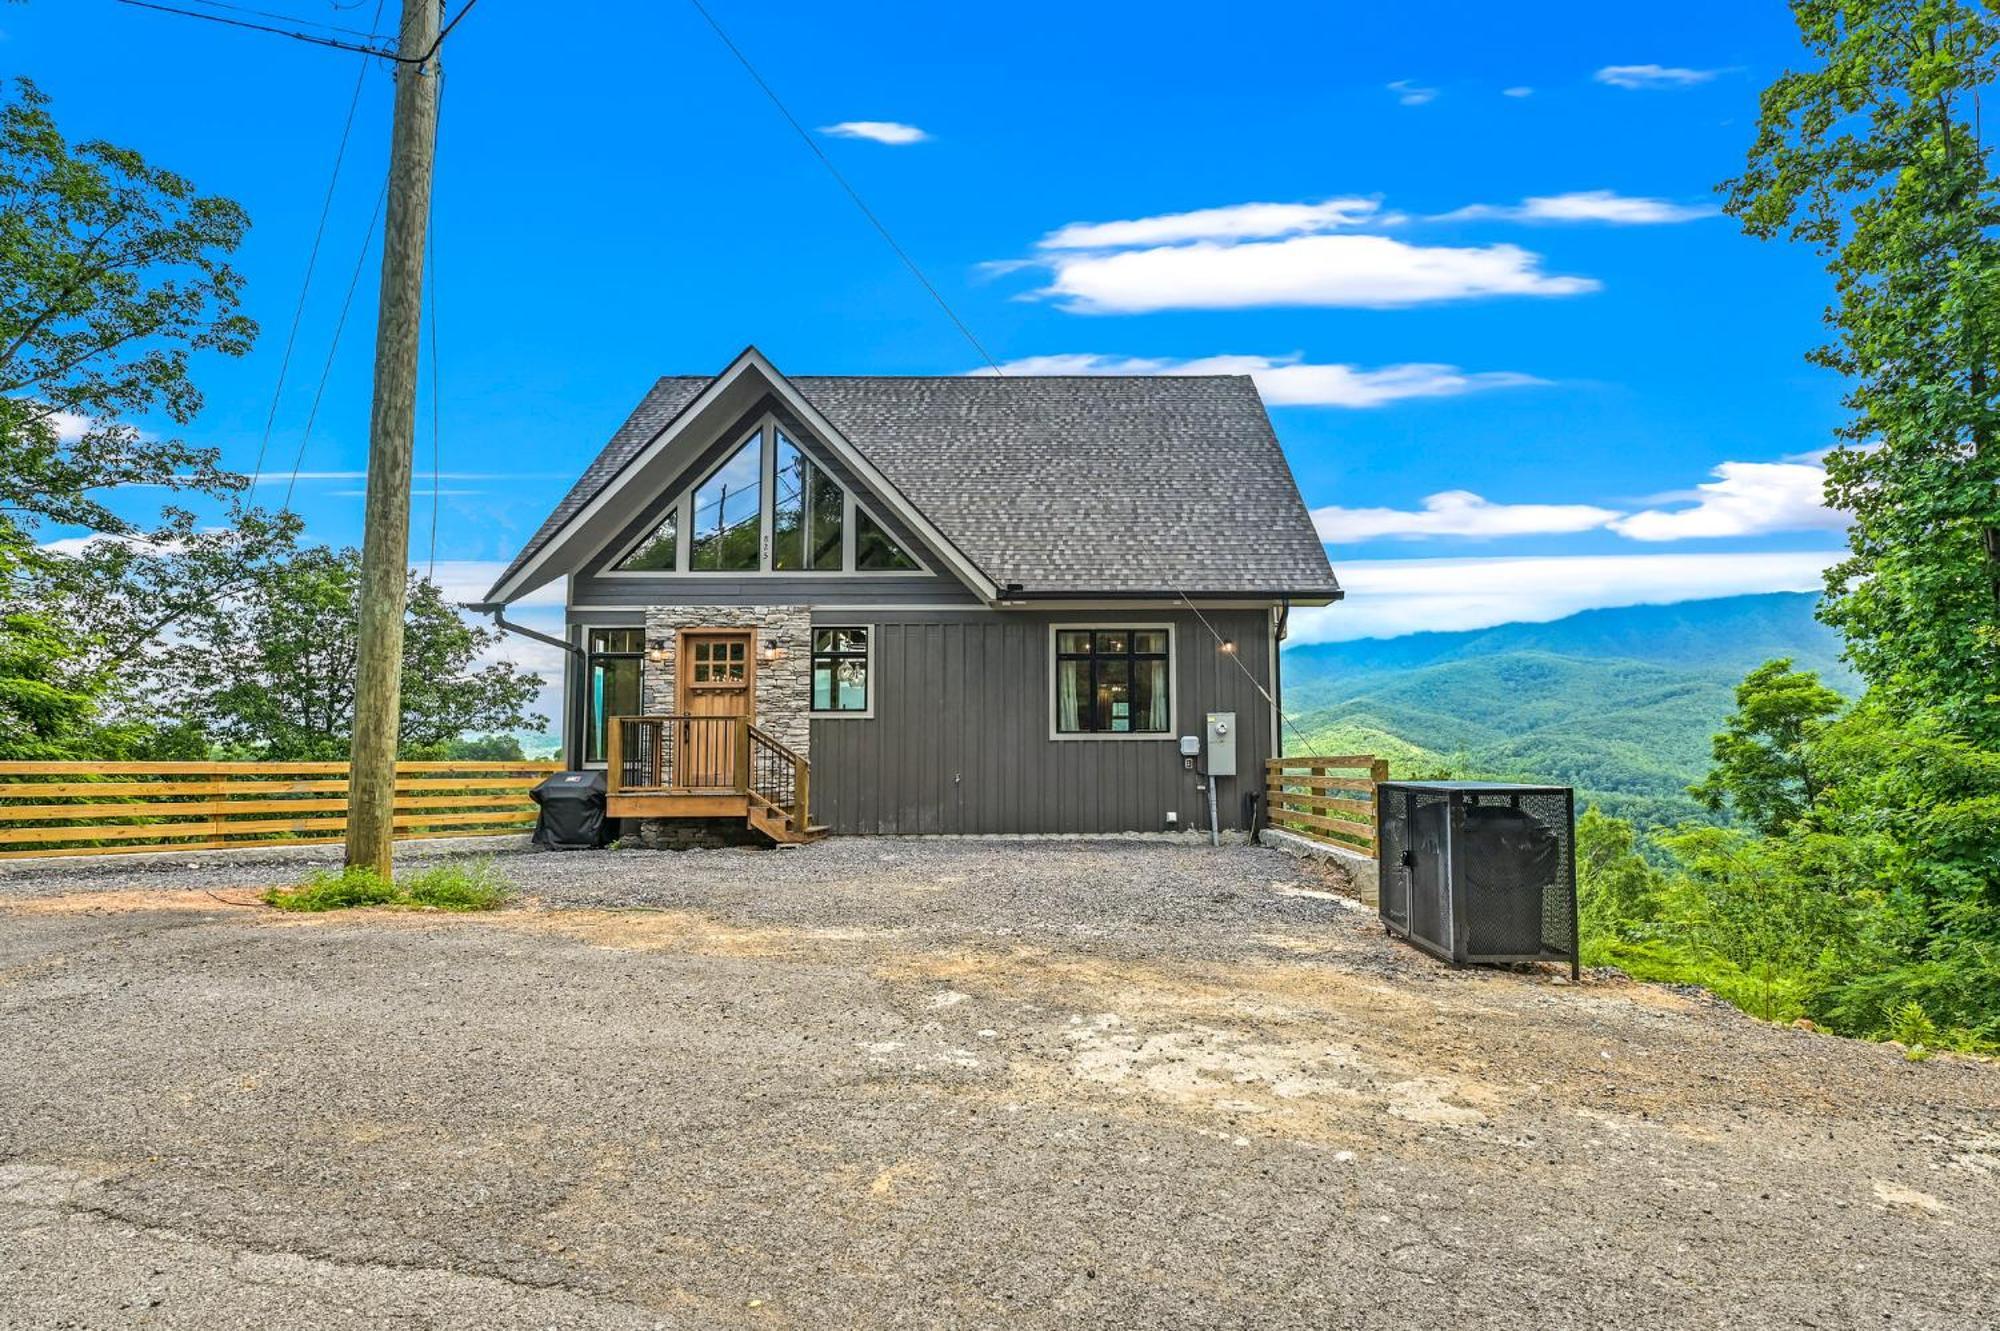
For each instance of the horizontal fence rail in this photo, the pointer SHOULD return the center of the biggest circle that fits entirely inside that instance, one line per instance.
(1329, 799)
(85, 808)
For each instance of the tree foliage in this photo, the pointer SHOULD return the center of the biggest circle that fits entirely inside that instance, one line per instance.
(269, 673)
(1764, 771)
(1874, 158)
(113, 273)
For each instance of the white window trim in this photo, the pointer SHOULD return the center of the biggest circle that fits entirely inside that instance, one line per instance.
(1173, 686)
(865, 714)
(766, 434)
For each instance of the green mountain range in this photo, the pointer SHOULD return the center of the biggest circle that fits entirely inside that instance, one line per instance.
(1618, 703)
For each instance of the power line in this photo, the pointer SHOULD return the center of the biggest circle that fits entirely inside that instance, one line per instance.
(313, 38)
(360, 263)
(312, 262)
(1229, 650)
(373, 33)
(308, 37)
(827, 162)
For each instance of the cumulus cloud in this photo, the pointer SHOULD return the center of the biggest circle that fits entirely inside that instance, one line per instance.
(1288, 381)
(1744, 499)
(1368, 272)
(467, 580)
(1521, 91)
(1241, 221)
(1390, 597)
(892, 132)
(1412, 94)
(1456, 513)
(1591, 205)
(1641, 78)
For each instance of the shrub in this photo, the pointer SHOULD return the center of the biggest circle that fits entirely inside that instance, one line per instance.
(455, 885)
(334, 889)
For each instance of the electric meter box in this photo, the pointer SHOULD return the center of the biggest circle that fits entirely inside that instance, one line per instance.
(1221, 734)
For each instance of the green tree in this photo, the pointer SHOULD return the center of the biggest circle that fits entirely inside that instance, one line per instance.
(1615, 886)
(112, 273)
(270, 672)
(1874, 158)
(1764, 769)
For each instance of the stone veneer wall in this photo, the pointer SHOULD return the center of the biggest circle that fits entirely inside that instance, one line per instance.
(783, 689)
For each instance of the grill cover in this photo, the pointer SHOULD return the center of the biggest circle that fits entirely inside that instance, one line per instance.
(573, 812)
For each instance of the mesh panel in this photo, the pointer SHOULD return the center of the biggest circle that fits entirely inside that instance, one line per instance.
(1480, 874)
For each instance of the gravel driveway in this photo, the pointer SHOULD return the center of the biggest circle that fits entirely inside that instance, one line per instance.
(928, 1084)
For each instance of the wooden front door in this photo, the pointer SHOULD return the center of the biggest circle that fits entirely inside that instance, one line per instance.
(716, 682)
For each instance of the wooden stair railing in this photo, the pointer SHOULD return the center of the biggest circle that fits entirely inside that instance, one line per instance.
(678, 754)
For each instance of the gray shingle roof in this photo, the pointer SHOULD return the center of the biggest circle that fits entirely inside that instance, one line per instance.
(1072, 484)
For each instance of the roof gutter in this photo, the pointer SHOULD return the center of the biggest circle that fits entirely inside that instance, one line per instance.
(1292, 597)
(506, 625)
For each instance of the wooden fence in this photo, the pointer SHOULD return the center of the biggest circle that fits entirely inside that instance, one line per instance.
(1328, 799)
(84, 808)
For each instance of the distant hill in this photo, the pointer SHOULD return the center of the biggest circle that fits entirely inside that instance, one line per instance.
(1619, 703)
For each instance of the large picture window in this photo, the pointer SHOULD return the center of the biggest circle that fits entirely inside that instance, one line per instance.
(1113, 681)
(611, 685)
(840, 671)
(806, 514)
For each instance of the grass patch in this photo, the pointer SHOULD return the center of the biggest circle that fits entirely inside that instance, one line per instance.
(455, 885)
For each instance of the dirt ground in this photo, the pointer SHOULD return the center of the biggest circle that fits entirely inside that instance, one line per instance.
(932, 1084)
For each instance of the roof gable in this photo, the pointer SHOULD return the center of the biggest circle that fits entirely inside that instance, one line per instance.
(1051, 486)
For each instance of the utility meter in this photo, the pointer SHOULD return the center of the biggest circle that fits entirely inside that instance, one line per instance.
(1222, 744)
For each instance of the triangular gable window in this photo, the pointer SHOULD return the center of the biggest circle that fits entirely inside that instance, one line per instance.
(769, 507)
(874, 549)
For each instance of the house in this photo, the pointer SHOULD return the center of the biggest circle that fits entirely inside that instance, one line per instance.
(928, 604)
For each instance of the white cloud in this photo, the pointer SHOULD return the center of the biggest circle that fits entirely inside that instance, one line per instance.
(69, 426)
(1412, 94)
(1372, 272)
(1286, 381)
(1457, 513)
(1521, 91)
(1645, 77)
(1745, 499)
(1242, 221)
(891, 132)
(1390, 597)
(1591, 205)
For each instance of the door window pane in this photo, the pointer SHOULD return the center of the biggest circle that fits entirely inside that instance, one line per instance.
(728, 514)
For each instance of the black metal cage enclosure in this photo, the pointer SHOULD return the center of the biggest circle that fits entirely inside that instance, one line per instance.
(1479, 871)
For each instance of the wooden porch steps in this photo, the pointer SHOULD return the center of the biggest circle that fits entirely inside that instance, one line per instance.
(685, 766)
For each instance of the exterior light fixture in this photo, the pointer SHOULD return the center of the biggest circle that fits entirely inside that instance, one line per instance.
(659, 653)
(770, 654)
(1228, 647)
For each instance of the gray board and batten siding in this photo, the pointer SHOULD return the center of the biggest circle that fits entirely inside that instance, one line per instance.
(959, 741)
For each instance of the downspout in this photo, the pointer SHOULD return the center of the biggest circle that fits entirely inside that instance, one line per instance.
(506, 625)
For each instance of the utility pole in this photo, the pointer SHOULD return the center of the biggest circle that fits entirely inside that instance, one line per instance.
(385, 551)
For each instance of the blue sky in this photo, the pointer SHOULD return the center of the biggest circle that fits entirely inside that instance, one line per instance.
(1494, 271)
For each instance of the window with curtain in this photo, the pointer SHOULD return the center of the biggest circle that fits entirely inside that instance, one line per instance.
(611, 685)
(1113, 682)
(840, 680)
